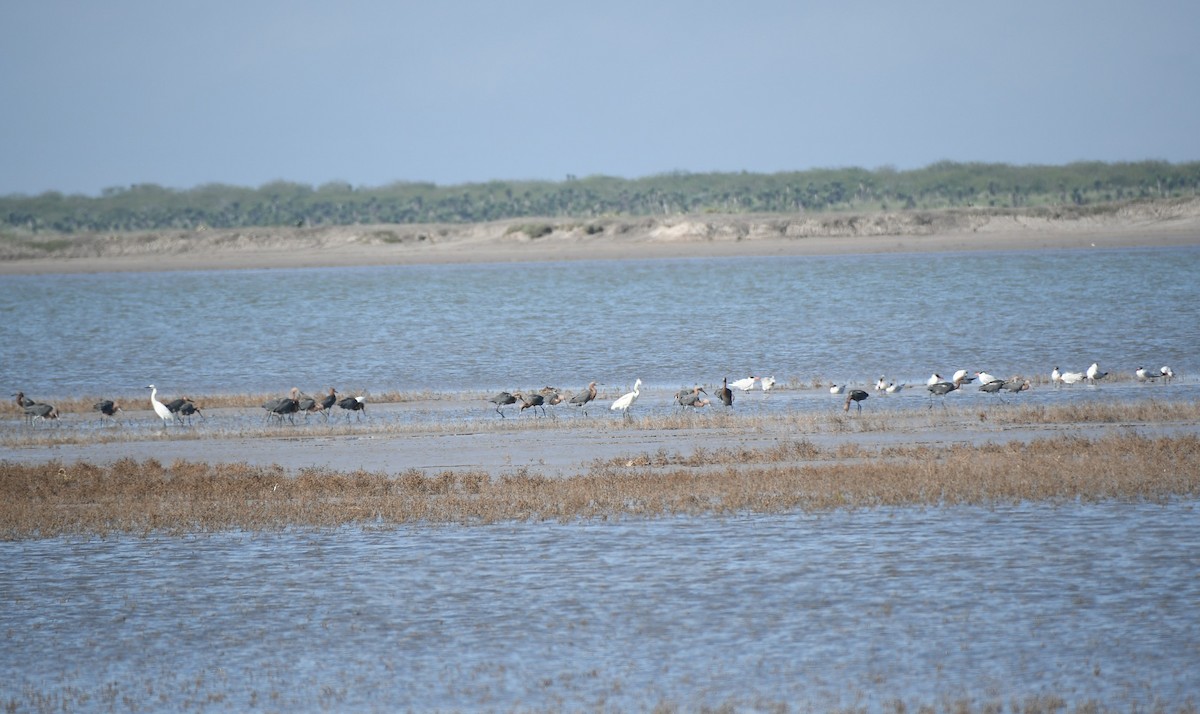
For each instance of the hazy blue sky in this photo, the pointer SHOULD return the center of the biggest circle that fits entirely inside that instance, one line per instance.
(182, 93)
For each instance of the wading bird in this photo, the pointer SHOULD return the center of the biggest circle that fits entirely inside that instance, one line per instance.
(857, 396)
(745, 384)
(187, 409)
(107, 408)
(690, 397)
(502, 399)
(625, 401)
(159, 408)
(1016, 385)
(284, 406)
(37, 410)
(327, 402)
(941, 389)
(534, 401)
(725, 394)
(581, 399)
(23, 401)
(354, 404)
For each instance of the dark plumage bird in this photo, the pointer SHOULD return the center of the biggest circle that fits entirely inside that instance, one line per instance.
(582, 398)
(689, 396)
(1016, 385)
(353, 404)
(534, 401)
(941, 389)
(36, 411)
(107, 408)
(857, 396)
(328, 401)
(992, 387)
(283, 406)
(502, 399)
(187, 409)
(725, 394)
(23, 401)
(552, 396)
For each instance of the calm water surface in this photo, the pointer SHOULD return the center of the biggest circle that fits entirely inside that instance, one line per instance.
(1085, 602)
(669, 322)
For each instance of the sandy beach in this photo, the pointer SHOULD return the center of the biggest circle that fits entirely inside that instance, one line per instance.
(1143, 224)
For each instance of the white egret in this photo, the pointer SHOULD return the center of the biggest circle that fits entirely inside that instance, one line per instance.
(159, 408)
(626, 401)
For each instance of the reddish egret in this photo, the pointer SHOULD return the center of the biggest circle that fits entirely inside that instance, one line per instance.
(534, 401)
(107, 408)
(725, 394)
(582, 398)
(856, 396)
(502, 399)
(354, 404)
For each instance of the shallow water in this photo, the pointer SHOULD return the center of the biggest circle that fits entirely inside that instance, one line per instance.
(669, 322)
(1084, 602)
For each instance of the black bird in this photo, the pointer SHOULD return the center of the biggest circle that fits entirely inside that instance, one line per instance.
(857, 396)
(353, 404)
(502, 399)
(23, 401)
(725, 394)
(107, 408)
(582, 398)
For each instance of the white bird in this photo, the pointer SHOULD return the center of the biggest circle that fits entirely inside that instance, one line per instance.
(837, 389)
(159, 408)
(893, 388)
(1143, 375)
(1167, 373)
(1094, 373)
(1073, 377)
(1056, 377)
(744, 384)
(880, 384)
(767, 383)
(934, 379)
(985, 378)
(626, 401)
(962, 377)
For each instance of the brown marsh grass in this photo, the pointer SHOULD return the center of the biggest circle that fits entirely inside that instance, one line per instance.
(141, 497)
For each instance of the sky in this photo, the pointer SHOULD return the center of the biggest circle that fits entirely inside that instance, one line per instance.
(97, 95)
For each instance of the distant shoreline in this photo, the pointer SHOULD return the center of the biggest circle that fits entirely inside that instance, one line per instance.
(1150, 224)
